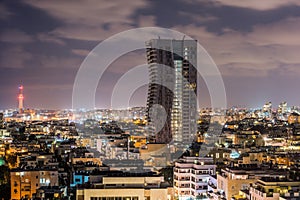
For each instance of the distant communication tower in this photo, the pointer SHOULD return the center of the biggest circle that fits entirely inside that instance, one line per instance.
(21, 99)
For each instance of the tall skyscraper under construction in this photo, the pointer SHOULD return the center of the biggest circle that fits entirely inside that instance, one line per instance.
(173, 86)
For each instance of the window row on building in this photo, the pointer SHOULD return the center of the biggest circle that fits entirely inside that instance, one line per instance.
(114, 198)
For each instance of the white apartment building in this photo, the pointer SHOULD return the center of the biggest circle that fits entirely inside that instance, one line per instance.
(193, 177)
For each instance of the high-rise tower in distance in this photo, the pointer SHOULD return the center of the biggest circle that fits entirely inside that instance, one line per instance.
(21, 99)
(173, 86)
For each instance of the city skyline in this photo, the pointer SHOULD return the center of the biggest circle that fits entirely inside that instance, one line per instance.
(254, 44)
(150, 100)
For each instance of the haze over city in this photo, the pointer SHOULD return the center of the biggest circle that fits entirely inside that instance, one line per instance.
(255, 45)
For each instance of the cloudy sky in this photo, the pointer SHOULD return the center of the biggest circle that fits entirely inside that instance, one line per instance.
(254, 43)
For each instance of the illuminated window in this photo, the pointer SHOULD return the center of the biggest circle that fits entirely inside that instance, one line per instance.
(42, 180)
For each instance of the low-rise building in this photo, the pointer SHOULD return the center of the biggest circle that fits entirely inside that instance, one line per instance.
(233, 179)
(270, 188)
(127, 188)
(25, 182)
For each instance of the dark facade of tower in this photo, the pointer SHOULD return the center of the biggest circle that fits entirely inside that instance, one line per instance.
(173, 86)
(160, 63)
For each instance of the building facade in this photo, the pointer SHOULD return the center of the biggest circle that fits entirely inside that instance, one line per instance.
(230, 181)
(272, 188)
(127, 188)
(173, 87)
(24, 183)
(193, 177)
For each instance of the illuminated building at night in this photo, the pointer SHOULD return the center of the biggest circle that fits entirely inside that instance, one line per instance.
(128, 188)
(282, 108)
(194, 177)
(21, 99)
(233, 179)
(24, 183)
(173, 85)
(275, 188)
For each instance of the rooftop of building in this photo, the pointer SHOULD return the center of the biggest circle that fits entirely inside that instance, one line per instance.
(124, 185)
(277, 179)
(116, 173)
(50, 189)
(195, 160)
(35, 168)
(254, 169)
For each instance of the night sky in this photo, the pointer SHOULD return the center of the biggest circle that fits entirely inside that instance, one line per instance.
(255, 44)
